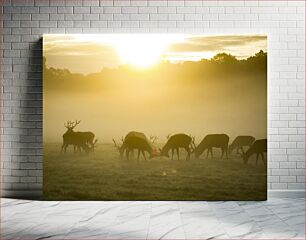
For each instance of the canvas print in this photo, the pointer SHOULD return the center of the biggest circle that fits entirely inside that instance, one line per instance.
(154, 117)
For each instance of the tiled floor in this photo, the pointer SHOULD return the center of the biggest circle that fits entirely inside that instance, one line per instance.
(273, 219)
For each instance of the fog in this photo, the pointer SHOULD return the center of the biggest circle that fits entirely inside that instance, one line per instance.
(157, 102)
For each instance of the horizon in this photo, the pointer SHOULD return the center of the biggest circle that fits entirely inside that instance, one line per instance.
(86, 54)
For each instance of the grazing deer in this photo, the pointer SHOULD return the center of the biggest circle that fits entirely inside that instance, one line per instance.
(79, 140)
(210, 141)
(136, 140)
(259, 147)
(176, 142)
(240, 142)
(88, 138)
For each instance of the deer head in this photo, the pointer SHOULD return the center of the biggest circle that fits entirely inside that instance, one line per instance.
(92, 148)
(120, 148)
(71, 125)
(244, 156)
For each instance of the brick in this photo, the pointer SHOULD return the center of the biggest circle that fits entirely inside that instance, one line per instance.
(98, 24)
(166, 9)
(157, 3)
(91, 16)
(129, 10)
(64, 10)
(82, 24)
(49, 10)
(81, 9)
(111, 10)
(185, 9)
(95, 3)
(147, 9)
(138, 3)
(47, 24)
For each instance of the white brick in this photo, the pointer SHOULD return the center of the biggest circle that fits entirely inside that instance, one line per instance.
(138, 3)
(288, 179)
(130, 24)
(166, 9)
(157, 3)
(111, 9)
(147, 9)
(185, 9)
(129, 9)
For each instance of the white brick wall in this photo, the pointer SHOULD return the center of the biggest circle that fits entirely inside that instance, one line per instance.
(24, 22)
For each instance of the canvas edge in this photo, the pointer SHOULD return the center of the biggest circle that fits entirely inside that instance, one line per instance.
(38, 194)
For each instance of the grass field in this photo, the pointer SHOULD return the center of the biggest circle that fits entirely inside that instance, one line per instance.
(102, 176)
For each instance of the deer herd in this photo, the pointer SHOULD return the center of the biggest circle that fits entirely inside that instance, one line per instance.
(85, 141)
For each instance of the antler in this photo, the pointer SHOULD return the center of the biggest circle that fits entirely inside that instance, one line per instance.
(168, 136)
(116, 145)
(153, 139)
(68, 124)
(73, 124)
(193, 142)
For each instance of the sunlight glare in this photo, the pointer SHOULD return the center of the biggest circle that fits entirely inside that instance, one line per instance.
(142, 50)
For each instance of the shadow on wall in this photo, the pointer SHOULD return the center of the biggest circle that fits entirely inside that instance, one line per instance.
(30, 124)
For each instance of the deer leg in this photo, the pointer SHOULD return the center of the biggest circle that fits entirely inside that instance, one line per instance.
(257, 156)
(222, 152)
(172, 151)
(211, 152)
(63, 147)
(207, 152)
(128, 154)
(263, 158)
(178, 153)
(237, 150)
(188, 153)
(138, 155)
(144, 155)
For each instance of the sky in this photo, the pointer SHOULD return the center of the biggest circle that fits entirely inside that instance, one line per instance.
(90, 53)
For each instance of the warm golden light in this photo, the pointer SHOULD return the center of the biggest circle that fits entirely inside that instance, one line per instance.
(141, 50)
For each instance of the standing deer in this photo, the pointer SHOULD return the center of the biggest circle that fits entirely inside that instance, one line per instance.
(136, 140)
(210, 141)
(259, 147)
(69, 137)
(176, 142)
(240, 142)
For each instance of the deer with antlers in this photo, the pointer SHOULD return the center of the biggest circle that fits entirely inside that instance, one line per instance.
(136, 140)
(175, 142)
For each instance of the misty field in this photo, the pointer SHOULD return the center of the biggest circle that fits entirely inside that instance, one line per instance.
(103, 176)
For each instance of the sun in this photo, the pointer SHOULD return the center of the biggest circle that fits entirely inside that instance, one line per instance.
(140, 51)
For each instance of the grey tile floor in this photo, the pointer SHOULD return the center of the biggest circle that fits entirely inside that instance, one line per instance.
(272, 219)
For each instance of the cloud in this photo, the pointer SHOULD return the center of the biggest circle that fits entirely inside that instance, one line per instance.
(218, 43)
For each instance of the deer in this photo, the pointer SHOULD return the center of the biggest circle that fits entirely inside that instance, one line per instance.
(240, 142)
(79, 140)
(210, 141)
(259, 147)
(175, 142)
(139, 141)
(69, 137)
(88, 138)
